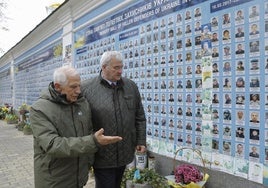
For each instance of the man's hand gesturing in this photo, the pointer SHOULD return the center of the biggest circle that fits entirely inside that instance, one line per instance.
(105, 140)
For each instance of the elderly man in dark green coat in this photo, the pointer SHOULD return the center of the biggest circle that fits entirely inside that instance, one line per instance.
(64, 143)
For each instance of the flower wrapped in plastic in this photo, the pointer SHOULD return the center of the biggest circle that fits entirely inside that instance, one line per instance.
(187, 173)
(187, 176)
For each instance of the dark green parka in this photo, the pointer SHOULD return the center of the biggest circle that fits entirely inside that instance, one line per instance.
(120, 112)
(64, 146)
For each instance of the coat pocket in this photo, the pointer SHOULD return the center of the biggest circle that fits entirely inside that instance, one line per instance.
(130, 102)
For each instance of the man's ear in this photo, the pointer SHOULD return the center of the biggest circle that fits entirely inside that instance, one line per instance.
(103, 66)
(57, 87)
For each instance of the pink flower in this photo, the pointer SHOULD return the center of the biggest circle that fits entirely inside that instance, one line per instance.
(186, 173)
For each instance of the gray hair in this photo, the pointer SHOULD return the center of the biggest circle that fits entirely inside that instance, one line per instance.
(107, 56)
(61, 74)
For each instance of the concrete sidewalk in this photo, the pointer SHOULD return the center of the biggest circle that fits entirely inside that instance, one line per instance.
(16, 159)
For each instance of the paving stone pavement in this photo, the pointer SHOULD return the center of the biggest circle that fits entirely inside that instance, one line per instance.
(16, 159)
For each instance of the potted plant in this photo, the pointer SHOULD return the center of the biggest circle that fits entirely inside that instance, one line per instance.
(21, 125)
(27, 129)
(11, 118)
(146, 178)
(24, 108)
(3, 112)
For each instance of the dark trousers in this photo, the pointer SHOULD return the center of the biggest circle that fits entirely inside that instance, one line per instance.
(108, 177)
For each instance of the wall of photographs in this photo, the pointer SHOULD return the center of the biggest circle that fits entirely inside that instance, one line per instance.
(201, 67)
(34, 73)
(6, 85)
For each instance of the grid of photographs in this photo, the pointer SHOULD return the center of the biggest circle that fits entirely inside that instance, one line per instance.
(31, 78)
(5, 89)
(87, 57)
(203, 79)
(166, 60)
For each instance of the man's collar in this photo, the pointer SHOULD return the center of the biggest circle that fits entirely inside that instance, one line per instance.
(110, 82)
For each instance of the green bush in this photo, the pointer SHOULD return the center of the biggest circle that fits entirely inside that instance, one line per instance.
(146, 176)
(11, 117)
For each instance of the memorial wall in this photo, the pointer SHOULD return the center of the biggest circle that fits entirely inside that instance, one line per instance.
(201, 67)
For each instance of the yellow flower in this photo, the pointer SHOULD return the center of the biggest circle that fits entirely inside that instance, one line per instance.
(5, 109)
(24, 106)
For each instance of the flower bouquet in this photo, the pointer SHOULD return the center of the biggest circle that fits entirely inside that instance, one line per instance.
(187, 175)
(24, 108)
(3, 111)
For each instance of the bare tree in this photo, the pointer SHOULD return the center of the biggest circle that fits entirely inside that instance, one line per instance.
(3, 20)
(3, 17)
